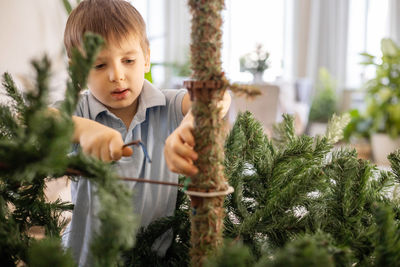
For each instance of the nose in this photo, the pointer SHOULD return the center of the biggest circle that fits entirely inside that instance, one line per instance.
(116, 73)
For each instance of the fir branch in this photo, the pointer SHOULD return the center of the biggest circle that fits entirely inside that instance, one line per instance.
(117, 222)
(258, 171)
(284, 132)
(387, 237)
(394, 159)
(9, 127)
(232, 254)
(12, 91)
(37, 98)
(38, 151)
(178, 253)
(335, 129)
(79, 69)
(309, 250)
(47, 253)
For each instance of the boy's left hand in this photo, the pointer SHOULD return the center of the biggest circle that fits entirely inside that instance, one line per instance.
(178, 151)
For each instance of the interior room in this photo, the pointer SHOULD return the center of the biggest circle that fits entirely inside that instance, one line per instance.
(320, 62)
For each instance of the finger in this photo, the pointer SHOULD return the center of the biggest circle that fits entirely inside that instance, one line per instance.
(194, 156)
(86, 149)
(187, 136)
(127, 152)
(96, 152)
(116, 148)
(105, 154)
(184, 151)
(182, 166)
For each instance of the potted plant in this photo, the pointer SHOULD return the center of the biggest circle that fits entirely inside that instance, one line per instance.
(381, 121)
(324, 103)
(255, 62)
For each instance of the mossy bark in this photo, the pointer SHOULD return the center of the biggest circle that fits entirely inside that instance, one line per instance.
(207, 212)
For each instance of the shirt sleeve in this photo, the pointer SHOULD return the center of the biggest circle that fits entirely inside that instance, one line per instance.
(174, 102)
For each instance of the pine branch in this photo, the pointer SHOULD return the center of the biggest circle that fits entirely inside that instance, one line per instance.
(270, 182)
(48, 252)
(335, 129)
(178, 253)
(284, 132)
(394, 159)
(387, 237)
(36, 148)
(79, 70)
(9, 127)
(309, 250)
(12, 91)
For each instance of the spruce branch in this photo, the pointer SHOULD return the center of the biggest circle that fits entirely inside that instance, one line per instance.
(9, 127)
(12, 91)
(78, 70)
(387, 237)
(394, 159)
(335, 129)
(35, 148)
(284, 132)
(178, 225)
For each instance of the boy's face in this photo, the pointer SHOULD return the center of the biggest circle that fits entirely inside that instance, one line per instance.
(117, 77)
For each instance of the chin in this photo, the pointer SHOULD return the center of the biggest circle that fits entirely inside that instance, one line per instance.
(122, 105)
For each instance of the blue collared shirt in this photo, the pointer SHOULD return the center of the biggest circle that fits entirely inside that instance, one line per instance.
(157, 116)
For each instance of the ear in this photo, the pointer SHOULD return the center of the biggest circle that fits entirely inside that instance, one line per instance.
(147, 61)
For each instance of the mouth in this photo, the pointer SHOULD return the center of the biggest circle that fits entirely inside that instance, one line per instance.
(119, 93)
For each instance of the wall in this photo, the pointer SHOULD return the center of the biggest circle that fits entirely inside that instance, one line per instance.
(29, 29)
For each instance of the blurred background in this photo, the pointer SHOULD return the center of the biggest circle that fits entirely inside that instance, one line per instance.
(310, 58)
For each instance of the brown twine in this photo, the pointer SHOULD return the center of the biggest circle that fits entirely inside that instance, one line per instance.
(205, 90)
(74, 172)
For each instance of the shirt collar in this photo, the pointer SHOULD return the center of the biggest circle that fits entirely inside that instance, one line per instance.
(149, 97)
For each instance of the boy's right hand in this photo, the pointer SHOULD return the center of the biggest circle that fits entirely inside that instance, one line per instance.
(99, 141)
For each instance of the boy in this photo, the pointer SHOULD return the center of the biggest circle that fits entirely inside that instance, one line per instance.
(119, 107)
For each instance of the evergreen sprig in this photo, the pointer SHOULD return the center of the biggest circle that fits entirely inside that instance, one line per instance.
(34, 146)
(272, 182)
(178, 226)
(387, 237)
(302, 192)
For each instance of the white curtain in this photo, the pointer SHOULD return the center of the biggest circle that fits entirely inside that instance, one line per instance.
(394, 20)
(177, 47)
(327, 39)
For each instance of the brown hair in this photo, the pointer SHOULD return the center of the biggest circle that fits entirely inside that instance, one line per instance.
(112, 19)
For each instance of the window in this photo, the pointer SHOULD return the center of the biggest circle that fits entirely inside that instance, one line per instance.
(368, 24)
(153, 13)
(248, 23)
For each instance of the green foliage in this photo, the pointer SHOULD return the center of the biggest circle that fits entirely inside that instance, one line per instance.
(325, 101)
(383, 94)
(148, 75)
(297, 203)
(178, 253)
(34, 146)
(308, 250)
(272, 180)
(232, 254)
(387, 237)
(359, 126)
(68, 5)
(48, 253)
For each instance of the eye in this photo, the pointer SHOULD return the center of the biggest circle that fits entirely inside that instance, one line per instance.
(129, 61)
(99, 66)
